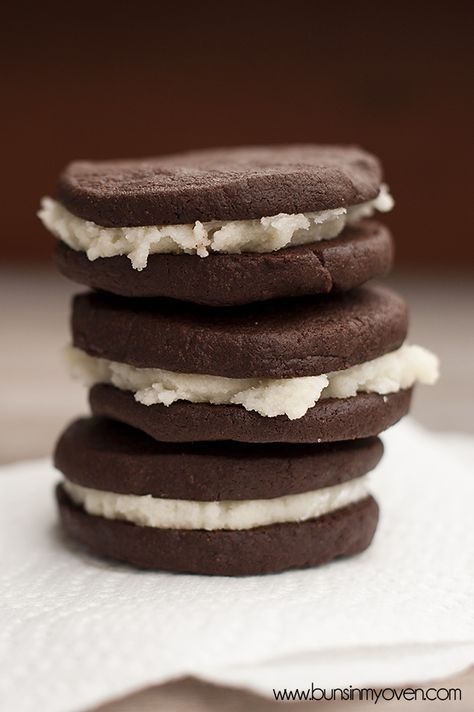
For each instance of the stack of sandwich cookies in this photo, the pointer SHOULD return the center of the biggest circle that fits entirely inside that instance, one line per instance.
(232, 430)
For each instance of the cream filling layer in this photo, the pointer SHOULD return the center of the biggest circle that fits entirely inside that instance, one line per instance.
(149, 511)
(264, 235)
(269, 397)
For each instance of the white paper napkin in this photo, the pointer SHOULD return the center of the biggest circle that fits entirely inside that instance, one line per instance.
(75, 631)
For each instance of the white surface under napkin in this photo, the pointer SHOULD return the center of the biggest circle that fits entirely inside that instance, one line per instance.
(75, 631)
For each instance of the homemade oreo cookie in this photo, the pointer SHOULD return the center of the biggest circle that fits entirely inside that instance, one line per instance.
(214, 503)
(311, 370)
(223, 227)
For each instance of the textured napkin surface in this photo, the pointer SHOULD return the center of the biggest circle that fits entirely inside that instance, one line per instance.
(75, 631)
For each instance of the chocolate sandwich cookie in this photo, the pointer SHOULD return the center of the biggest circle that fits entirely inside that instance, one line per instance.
(278, 339)
(106, 455)
(360, 253)
(214, 508)
(335, 368)
(226, 552)
(223, 227)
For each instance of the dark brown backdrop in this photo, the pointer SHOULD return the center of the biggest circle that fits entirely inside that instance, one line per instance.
(126, 79)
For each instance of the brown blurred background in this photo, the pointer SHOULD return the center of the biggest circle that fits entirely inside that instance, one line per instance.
(128, 79)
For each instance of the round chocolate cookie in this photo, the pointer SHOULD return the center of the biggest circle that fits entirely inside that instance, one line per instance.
(357, 255)
(329, 420)
(107, 455)
(278, 339)
(219, 184)
(261, 550)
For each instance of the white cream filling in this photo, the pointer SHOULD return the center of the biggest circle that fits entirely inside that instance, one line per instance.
(264, 235)
(269, 397)
(149, 511)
